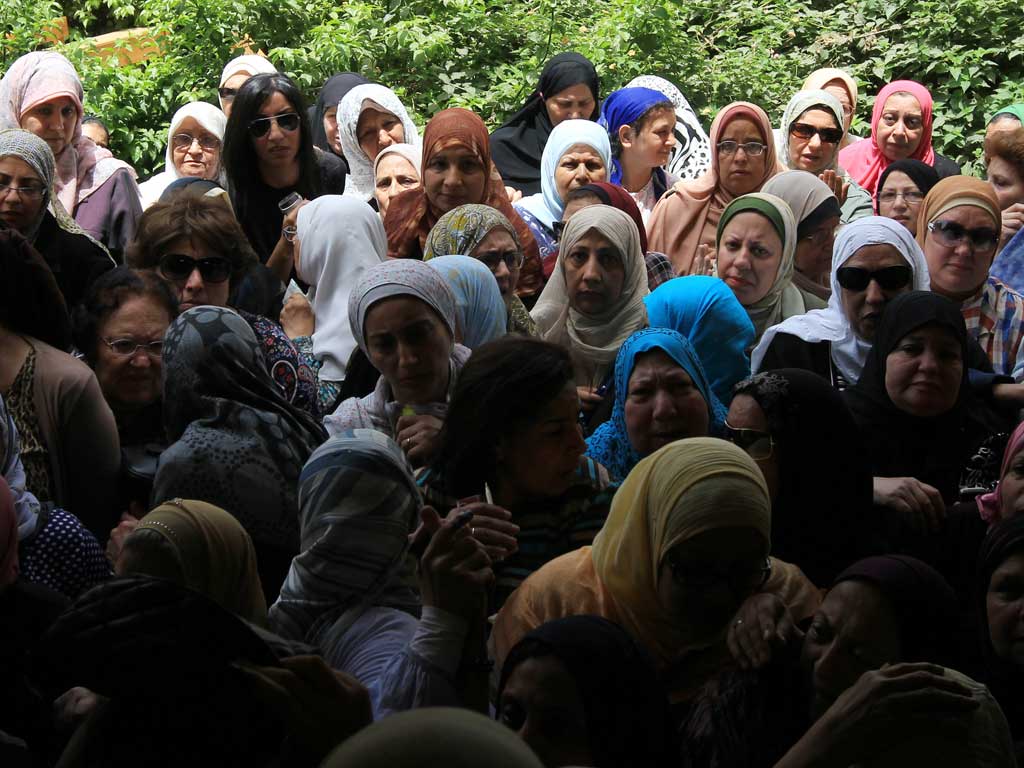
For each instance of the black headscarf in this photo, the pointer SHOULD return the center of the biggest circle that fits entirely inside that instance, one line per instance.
(517, 146)
(922, 174)
(933, 450)
(330, 96)
(824, 493)
(627, 709)
(30, 299)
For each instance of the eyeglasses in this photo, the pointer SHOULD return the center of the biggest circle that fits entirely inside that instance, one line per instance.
(910, 196)
(31, 192)
(261, 126)
(821, 237)
(491, 259)
(207, 141)
(751, 148)
(178, 267)
(128, 347)
(741, 579)
(758, 445)
(227, 94)
(951, 234)
(888, 278)
(808, 131)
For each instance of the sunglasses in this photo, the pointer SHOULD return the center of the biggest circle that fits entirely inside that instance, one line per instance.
(807, 131)
(227, 94)
(261, 126)
(757, 444)
(178, 267)
(951, 234)
(888, 278)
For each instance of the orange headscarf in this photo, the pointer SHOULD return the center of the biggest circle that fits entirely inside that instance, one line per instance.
(412, 215)
(953, 192)
(688, 214)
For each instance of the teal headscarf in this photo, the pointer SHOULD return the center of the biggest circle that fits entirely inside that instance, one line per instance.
(1017, 110)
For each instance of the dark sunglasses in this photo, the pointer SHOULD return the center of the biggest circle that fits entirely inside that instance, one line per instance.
(741, 580)
(758, 445)
(261, 126)
(888, 278)
(951, 234)
(177, 267)
(807, 131)
(227, 94)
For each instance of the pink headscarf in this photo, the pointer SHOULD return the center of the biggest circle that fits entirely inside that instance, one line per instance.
(42, 76)
(8, 536)
(864, 161)
(990, 504)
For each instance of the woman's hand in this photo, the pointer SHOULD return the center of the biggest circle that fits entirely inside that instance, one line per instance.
(920, 504)
(455, 569)
(297, 318)
(492, 526)
(513, 194)
(73, 707)
(282, 259)
(1013, 219)
(761, 628)
(419, 437)
(124, 529)
(589, 399)
(704, 262)
(835, 182)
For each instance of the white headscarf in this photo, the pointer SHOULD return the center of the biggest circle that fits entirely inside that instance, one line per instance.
(250, 64)
(547, 206)
(339, 239)
(210, 118)
(801, 102)
(411, 153)
(849, 351)
(360, 181)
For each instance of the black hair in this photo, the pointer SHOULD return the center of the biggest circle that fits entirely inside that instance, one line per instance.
(638, 125)
(581, 193)
(107, 294)
(500, 389)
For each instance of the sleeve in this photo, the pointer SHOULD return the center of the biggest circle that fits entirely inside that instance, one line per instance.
(858, 204)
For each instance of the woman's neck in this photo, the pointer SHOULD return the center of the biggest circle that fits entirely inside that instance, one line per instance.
(280, 176)
(635, 175)
(958, 297)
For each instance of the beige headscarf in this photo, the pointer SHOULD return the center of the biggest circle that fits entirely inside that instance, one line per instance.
(819, 78)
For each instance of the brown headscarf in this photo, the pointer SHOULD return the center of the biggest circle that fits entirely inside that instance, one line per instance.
(954, 191)
(412, 215)
(688, 213)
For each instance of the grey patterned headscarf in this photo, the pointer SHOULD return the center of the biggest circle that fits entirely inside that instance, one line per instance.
(26, 505)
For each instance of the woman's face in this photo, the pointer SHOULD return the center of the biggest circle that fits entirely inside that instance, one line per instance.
(594, 274)
(747, 414)
(662, 404)
(864, 308)
(1011, 487)
(195, 151)
(410, 346)
(376, 130)
(578, 204)
(331, 129)
(703, 580)
(749, 255)
(837, 89)
(854, 631)
(901, 126)
(231, 86)
(195, 290)
(900, 199)
(277, 147)
(20, 210)
(1004, 604)
(813, 256)
(394, 175)
(958, 268)
(739, 172)
(924, 371)
(453, 177)
(576, 102)
(813, 154)
(131, 381)
(498, 250)
(1006, 182)
(97, 133)
(580, 165)
(53, 121)
(652, 145)
(542, 703)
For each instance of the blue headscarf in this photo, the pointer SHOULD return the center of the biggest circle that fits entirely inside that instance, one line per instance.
(707, 313)
(610, 445)
(479, 308)
(623, 107)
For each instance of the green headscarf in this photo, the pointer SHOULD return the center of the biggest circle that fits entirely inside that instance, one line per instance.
(1017, 110)
(767, 208)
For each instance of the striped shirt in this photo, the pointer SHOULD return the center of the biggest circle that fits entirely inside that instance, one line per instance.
(995, 319)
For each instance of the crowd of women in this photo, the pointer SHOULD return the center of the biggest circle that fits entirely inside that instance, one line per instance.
(593, 440)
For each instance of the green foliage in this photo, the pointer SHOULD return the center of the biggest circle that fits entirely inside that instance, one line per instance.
(486, 54)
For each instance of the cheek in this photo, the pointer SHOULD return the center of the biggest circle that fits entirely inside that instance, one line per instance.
(475, 184)
(637, 418)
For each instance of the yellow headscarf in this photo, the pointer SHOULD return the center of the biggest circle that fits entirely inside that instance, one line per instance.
(676, 493)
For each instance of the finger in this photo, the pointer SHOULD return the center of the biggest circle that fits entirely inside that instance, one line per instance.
(481, 509)
(494, 539)
(430, 520)
(903, 668)
(505, 527)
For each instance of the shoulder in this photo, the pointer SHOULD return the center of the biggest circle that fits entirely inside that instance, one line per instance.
(52, 362)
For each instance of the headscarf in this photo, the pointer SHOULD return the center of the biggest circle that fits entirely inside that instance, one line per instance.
(210, 118)
(31, 303)
(352, 105)
(922, 174)
(990, 505)
(849, 351)
(42, 76)
(479, 307)
(810, 199)
(688, 214)
(708, 314)
(932, 449)
(820, 78)
(547, 206)
(617, 197)
(691, 156)
(330, 95)
(237, 442)
(801, 102)
(8, 536)
(408, 151)
(339, 239)
(825, 483)
(679, 491)
(596, 339)
(404, 277)
(1017, 110)
(26, 505)
(517, 146)
(250, 64)
(462, 229)
(610, 445)
(623, 107)
(357, 506)
(454, 738)
(864, 160)
(779, 302)
(953, 192)
(627, 713)
(216, 554)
